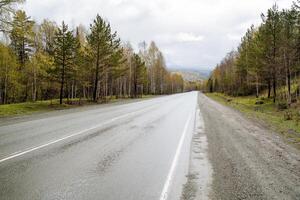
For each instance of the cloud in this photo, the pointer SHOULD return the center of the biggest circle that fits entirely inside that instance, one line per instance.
(189, 37)
(234, 37)
(176, 38)
(191, 33)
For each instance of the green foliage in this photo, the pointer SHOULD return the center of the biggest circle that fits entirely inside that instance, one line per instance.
(22, 36)
(266, 60)
(64, 48)
(47, 31)
(64, 55)
(44, 62)
(103, 44)
(282, 105)
(9, 86)
(139, 75)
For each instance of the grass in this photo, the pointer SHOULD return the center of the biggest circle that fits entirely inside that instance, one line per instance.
(18, 109)
(267, 113)
(10, 110)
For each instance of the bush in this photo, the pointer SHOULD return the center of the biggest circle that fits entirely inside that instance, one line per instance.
(288, 115)
(282, 106)
(259, 102)
(294, 100)
(297, 117)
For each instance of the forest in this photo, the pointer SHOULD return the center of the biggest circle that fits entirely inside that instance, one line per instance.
(51, 61)
(267, 61)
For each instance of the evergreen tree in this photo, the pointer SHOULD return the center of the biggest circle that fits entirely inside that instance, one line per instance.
(22, 41)
(22, 36)
(64, 48)
(273, 25)
(267, 58)
(101, 43)
(139, 72)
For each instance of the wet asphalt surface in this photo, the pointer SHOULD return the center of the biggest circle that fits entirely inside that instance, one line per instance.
(108, 152)
(127, 152)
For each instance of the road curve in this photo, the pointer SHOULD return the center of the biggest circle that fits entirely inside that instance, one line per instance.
(138, 150)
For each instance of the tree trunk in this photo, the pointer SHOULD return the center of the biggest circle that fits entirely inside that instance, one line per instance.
(68, 91)
(97, 74)
(289, 85)
(106, 85)
(34, 85)
(288, 77)
(62, 82)
(269, 88)
(83, 92)
(72, 90)
(274, 88)
(257, 88)
(75, 91)
(5, 85)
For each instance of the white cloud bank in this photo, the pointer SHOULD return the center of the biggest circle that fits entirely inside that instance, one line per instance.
(191, 33)
(189, 37)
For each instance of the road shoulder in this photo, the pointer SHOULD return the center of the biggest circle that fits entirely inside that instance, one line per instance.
(266, 114)
(249, 161)
(199, 178)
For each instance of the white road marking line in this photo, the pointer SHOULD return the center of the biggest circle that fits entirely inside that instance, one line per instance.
(164, 194)
(20, 153)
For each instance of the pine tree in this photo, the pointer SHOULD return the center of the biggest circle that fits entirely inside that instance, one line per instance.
(22, 36)
(273, 25)
(22, 41)
(288, 50)
(64, 48)
(101, 43)
(139, 75)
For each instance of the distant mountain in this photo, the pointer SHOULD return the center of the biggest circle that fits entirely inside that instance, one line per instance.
(205, 73)
(192, 75)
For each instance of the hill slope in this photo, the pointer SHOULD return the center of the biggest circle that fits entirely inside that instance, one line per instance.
(192, 75)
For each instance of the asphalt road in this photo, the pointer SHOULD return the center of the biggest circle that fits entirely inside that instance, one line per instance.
(183, 146)
(138, 150)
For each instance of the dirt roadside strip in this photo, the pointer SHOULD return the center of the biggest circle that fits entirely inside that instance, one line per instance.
(248, 161)
(199, 178)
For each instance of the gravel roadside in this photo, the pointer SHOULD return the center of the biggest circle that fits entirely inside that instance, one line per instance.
(248, 161)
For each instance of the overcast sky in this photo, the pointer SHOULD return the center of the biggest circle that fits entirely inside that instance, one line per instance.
(191, 33)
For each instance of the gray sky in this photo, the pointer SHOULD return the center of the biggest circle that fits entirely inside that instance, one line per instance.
(191, 33)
